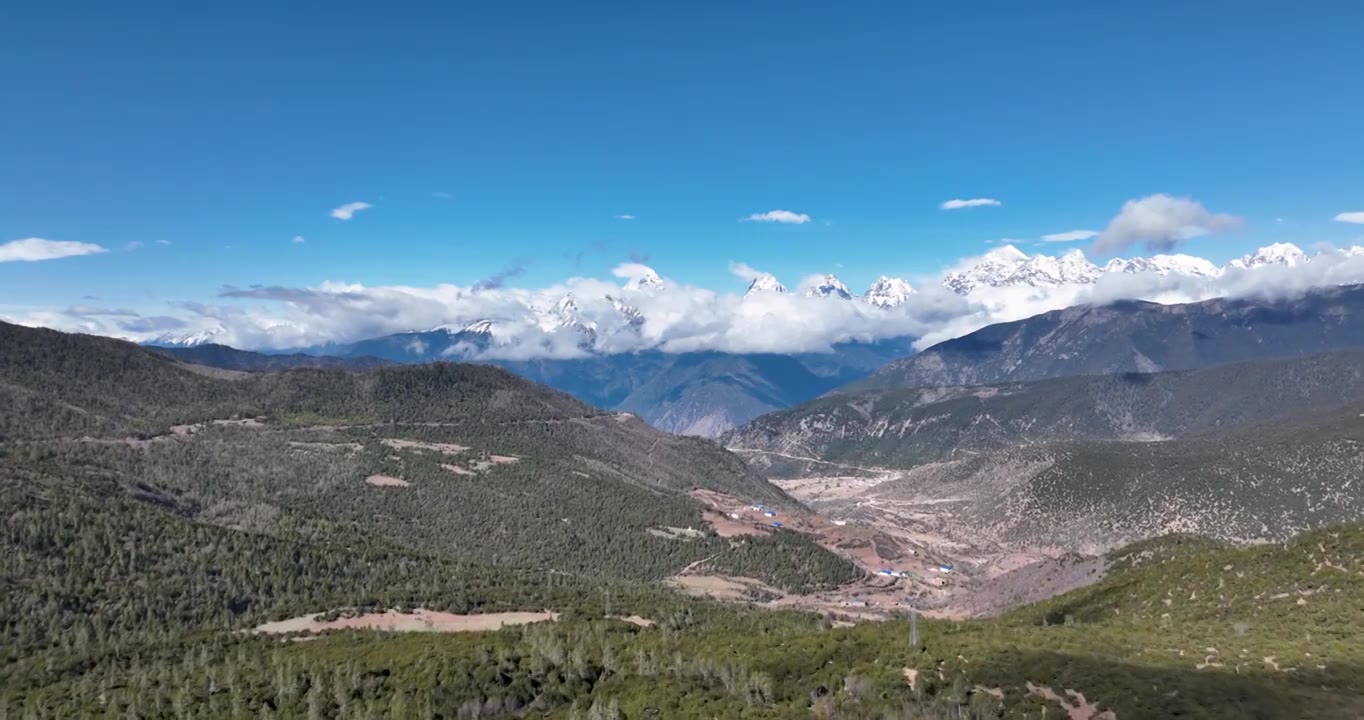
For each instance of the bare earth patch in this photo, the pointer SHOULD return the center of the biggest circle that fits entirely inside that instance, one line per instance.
(503, 459)
(1075, 704)
(719, 587)
(420, 620)
(444, 448)
(726, 526)
(635, 620)
(386, 481)
(457, 469)
(191, 429)
(349, 446)
(675, 533)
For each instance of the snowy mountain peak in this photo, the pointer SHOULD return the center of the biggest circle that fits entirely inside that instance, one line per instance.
(1006, 254)
(648, 280)
(887, 292)
(479, 327)
(1286, 254)
(1010, 267)
(185, 340)
(566, 313)
(765, 283)
(989, 270)
(1165, 265)
(829, 286)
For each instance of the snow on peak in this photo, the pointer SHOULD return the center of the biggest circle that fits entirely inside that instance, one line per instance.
(829, 286)
(1009, 267)
(1006, 254)
(1165, 265)
(566, 313)
(1286, 254)
(887, 292)
(647, 280)
(765, 283)
(186, 340)
(480, 327)
(990, 270)
(631, 314)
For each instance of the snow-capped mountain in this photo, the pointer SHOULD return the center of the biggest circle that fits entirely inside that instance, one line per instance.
(763, 284)
(991, 270)
(186, 339)
(1277, 254)
(829, 286)
(649, 280)
(632, 316)
(566, 313)
(1070, 268)
(479, 327)
(1008, 266)
(887, 292)
(1165, 265)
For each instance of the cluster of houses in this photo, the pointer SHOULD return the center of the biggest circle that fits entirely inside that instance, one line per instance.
(887, 572)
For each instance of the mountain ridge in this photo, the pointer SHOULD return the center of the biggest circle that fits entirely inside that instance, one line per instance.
(1134, 336)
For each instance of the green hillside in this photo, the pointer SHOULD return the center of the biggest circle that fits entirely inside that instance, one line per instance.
(462, 460)
(119, 609)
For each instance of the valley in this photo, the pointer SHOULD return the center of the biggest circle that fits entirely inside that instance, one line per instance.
(343, 527)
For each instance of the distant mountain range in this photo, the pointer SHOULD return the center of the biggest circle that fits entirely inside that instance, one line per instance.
(702, 393)
(1132, 336)
(1007, 266)
(739, 387)
(228, 358)
(903, 428)
(1094, 426)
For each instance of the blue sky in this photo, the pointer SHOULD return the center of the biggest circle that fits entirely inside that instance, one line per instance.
(485, 133)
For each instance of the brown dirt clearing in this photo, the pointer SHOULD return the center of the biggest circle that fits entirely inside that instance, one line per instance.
(443, 448)
(386, 481)
(419, 620)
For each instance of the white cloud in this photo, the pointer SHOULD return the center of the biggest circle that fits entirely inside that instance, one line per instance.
(1162, 222)
(677, 319)
(1351, 217)
(134, 245)
(623, 217)
(34, 249)
(298, 239)
(959, 204)
(785, 217)
(347, 211)
(745, 272)
(163, 243)
(1070, 236)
